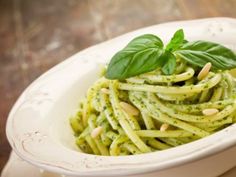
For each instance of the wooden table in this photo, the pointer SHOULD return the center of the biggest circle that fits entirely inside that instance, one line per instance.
(36, 35)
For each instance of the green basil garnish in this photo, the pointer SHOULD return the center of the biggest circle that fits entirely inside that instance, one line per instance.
(147, 53)
(170, 63)
(201, 52)
(176, 41)
(141, 55)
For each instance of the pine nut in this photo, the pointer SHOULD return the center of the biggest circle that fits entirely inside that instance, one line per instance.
(209, 112)
(105, 90)
(205, 70)
(164, 127)
(96, 132)
(129, 109)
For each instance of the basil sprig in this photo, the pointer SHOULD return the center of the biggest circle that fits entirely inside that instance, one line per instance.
(147, 53)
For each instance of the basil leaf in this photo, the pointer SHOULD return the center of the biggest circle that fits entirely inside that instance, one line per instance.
(127, 63)
(141, 55)
(201, 52)
(146, 40)
(176, 41)
(169, 66)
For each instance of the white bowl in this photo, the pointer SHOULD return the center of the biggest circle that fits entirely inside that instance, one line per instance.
(39, 132)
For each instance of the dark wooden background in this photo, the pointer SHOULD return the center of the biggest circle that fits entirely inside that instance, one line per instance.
(37, 34)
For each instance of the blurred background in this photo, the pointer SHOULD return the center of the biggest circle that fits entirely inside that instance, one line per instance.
(35, 35)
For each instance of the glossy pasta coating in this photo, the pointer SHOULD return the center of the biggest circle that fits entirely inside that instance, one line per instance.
(153, 112)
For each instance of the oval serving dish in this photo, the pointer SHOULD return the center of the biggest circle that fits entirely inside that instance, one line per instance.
(38, 125)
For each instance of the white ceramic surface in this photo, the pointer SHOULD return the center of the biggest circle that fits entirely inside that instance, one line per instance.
(39, 132)
(16, 167)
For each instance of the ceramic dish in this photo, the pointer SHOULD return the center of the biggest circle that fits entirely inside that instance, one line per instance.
(20, 168)
(39, 132)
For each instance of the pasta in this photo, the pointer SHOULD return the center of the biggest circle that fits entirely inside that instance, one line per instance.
(153, 112)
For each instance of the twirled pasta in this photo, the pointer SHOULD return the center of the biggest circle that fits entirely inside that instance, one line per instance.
(130, 114)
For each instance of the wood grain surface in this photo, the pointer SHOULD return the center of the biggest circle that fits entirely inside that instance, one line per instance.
(37, 34)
